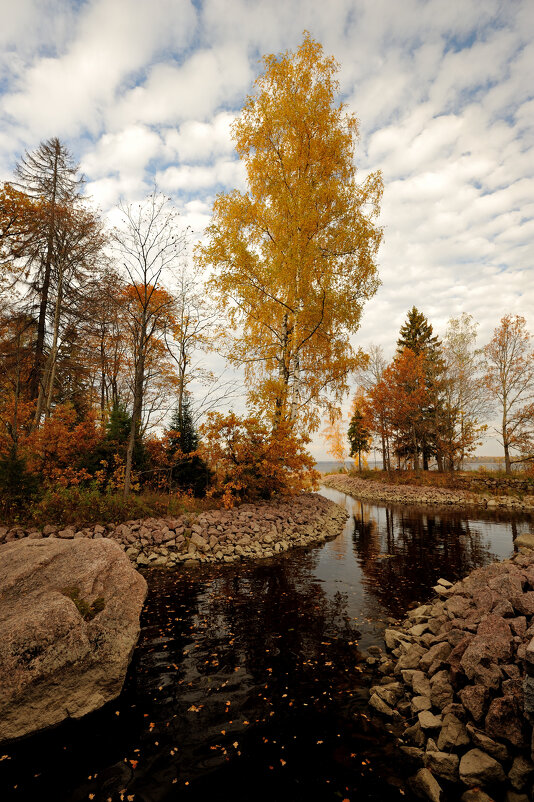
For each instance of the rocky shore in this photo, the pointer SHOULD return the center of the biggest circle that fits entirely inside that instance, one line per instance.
(410, 494)
(254, 531)
(457, 686)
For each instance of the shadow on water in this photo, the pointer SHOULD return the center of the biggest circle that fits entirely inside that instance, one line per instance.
(249, 682)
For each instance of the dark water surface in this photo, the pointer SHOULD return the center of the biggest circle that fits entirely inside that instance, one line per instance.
(249, 682)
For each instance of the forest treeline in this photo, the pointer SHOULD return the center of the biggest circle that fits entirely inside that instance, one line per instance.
(105, 330)
(437, 399)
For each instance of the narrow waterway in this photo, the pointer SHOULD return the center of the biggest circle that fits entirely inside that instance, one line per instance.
(249, 681)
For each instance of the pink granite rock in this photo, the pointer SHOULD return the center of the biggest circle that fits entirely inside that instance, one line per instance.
(55, 664)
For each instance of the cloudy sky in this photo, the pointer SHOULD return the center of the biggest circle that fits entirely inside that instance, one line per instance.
(444, 91)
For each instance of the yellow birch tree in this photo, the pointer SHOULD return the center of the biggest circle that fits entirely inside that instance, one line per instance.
(294, 257)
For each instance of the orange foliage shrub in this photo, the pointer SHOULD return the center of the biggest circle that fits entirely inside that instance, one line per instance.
(56, 450)
(253, 461)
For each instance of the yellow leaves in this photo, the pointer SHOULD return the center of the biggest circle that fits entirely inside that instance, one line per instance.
(295, 255)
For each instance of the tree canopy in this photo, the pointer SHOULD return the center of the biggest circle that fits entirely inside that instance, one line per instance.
(294, 256)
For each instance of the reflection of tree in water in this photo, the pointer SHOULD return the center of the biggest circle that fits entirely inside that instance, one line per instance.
(260, 607)
(404, 555)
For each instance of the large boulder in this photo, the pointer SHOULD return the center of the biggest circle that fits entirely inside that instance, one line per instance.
(69, 621)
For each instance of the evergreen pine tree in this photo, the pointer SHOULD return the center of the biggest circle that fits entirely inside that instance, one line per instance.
(183, 433)
(359, 436)
(417, 334)
(188, 469)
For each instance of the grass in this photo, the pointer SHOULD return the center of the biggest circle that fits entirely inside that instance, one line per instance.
(451, 481)
(64, 506)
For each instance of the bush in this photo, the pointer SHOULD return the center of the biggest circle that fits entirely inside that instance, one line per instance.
(252, 461)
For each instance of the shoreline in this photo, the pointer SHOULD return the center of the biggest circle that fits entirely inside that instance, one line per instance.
(424, 495)
(251, 531)
(457, 685)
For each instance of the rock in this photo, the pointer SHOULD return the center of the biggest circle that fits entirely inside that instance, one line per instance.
(390, 693)
(436, 653)
(415, 734)
(474, 699)
(380, 706)
(443, 765)
(503, 721)
(492, 642)
(525, 540)
(425, 786)
(198, 541)
(445, 583)
(429, 721)
(487, 744)
(520, 772)
(420, 684)
(411, 658)
(478, 768)
(441, 691)
(55, 664)
(414, 755)
(453, 734)
(512, 796)
(524, 602)
(476, 795)
(420, 703)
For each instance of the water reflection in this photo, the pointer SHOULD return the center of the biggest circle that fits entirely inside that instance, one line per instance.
(248, 681)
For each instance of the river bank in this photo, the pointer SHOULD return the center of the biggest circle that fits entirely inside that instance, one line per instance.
(425, 495)
(256, 531)
(458, 685)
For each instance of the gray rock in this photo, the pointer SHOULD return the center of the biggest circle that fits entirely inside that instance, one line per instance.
(441, 691)
(436, 653)
(478, 768)
(487, 744)
(520, 772)
(420, 703)
(429, 721)
(476, 795)
(380, 706)
(55, 664)
(442, 764)
(415, 734)
(420, 684)
(411, 658)
(425, 786)
(453, 734)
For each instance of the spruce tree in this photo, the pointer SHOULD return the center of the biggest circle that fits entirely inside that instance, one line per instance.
(359, 436)
(183, 433)
(417, 334)
(188, 469)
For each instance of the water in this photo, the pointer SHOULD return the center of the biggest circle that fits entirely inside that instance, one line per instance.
(249, 683)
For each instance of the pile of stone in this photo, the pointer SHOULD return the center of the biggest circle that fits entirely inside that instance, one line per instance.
(249, 531)
(462, 694)
(412, 494)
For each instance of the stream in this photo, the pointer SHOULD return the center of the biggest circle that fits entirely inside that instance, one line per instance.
(250, 682)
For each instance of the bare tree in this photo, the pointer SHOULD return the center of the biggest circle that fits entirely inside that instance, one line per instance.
(509, 379)
(148, 244)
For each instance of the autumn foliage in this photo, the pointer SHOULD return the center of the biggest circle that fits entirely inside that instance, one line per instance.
(251, 460)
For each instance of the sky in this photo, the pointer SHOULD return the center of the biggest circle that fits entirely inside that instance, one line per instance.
(144, 90)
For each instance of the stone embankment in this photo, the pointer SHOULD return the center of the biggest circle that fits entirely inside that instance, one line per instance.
(249, 531)
(372, 490)
(458, 686)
